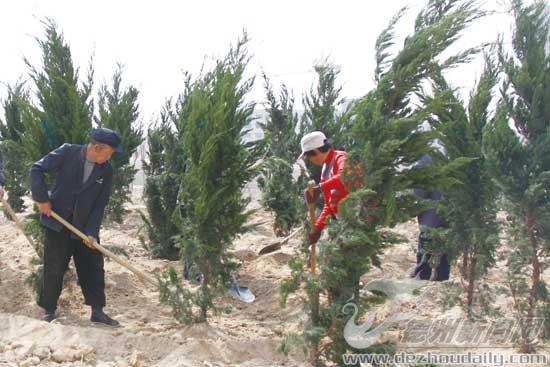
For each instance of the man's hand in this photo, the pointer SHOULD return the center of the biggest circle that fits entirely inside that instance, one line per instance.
(91, 242)
(314, 235)
(314, 196)
(45, 208)
(1, 192)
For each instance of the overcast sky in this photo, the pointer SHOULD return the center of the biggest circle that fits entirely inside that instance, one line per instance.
(157, 40)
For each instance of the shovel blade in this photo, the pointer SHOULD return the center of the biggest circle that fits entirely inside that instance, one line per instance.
(242, 294)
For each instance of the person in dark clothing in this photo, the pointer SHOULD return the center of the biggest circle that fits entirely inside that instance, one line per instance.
(81, 190)
(2, 177)
(429, 218)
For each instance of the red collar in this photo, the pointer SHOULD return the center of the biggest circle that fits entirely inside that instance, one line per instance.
(329, 157)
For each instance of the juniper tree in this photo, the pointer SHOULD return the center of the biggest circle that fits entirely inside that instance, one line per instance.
(321, 104)
(164, 171)
(119, 111)
(281, 193)
(65, 106)
(469, 207)
(519, 151)
(16, 106)
(387, 140)
(220, 163)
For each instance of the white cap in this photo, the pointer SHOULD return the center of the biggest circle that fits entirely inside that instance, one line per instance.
(312, 141)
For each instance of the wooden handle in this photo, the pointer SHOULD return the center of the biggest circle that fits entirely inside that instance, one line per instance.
(19, 225)
(104, 251)
(313, 219)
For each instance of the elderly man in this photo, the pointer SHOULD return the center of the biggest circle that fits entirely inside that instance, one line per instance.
(79, 194)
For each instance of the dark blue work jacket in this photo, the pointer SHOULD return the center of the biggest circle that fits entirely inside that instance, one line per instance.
(83, 204)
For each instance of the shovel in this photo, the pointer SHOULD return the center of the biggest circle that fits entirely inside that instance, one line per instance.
(241, 293)
(313, 219)
(19, 225)
(277, 244)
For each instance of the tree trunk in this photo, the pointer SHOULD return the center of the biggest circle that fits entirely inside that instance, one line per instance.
(464, 267)
(314, 353)
(204, 291)
(535, 278)
(471, 279)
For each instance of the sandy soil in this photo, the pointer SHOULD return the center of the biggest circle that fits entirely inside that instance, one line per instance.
(248, 336)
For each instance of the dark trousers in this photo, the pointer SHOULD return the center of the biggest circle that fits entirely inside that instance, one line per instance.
(423, 267)
(58, 249)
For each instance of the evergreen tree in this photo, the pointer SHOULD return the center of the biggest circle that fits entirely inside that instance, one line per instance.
(220, 164)
(519, 151)
(387, 140)
(320, 114)
(119, 111)
(280, 193)
(469, 208)
(65, 106)
(164, 172)
(16, 106)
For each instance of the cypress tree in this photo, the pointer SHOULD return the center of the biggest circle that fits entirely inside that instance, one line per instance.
(119, 111)
(164, 170)
(387, 140)
(65, 106)
(469, 207)
(16, 107)
(281, 194)
(321, 103)
(220, 163)
(519, 151)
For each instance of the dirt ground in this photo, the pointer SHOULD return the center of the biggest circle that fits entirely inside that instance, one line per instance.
(149, 336)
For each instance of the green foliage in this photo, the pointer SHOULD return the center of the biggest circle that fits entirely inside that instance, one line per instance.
(321, 103)
(220, 163)
(15, 106)
(118, 111)
(385, 139)
(320, 114)
(469, 207)
(35, 279)
(65, 106)
(172, 293)
(518, 146)
(281, 194)
(164, 172)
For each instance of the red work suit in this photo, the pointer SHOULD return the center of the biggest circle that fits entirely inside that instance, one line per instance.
(332, 185)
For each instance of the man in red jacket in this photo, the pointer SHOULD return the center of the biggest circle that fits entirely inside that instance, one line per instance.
(317, 149)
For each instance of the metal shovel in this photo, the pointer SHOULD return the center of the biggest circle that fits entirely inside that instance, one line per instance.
(241, 293)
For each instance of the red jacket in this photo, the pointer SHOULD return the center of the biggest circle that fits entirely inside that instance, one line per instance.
(332, 185)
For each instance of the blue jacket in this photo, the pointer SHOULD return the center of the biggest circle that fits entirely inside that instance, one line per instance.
(82, 204)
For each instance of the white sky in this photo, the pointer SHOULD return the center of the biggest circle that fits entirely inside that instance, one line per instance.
(158, 40)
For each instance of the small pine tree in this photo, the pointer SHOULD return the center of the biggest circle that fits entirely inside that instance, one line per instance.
(164, 171)
(519, 151)
(220, 164)
(386, 140)
(281, 194)
(15, 106)
(320, 114)
(65, 106)
(119, 111)
(469, 208)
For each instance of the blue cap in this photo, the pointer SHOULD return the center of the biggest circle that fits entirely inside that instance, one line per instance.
(107, 136)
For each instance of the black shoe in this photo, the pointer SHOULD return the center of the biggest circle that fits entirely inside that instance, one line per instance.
(102, 318)
(49, 316)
